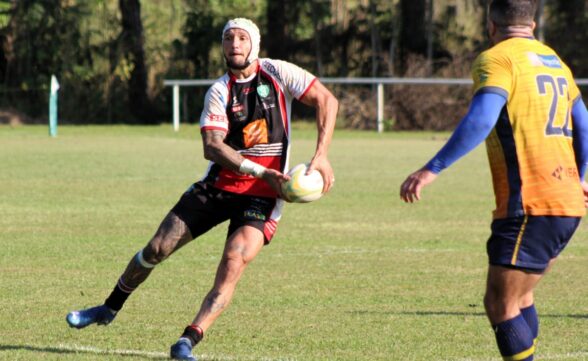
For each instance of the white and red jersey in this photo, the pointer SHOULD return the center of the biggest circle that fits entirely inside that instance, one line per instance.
(255, 114)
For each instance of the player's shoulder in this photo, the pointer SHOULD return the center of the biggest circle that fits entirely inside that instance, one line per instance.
(220, 85)
(279, 69)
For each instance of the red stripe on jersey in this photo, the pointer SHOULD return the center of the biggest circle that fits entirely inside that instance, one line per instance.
(307, 89)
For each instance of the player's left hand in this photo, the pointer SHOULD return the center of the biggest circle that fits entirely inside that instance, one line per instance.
(323, 166)
(410, 190)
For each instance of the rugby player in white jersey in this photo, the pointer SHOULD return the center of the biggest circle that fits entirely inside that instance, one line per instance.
(245, 128)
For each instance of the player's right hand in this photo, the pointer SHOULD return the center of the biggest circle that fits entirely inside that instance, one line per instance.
(410, 190)
(275, 179)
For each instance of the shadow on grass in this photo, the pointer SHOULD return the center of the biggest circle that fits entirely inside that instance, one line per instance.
(447, 313)
(84, 350)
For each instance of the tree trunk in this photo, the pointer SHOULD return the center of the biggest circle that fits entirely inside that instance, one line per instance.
(277, 43)
(375, 40)
(412, 37)
(8, 40)
(540, 29)
(133, 41)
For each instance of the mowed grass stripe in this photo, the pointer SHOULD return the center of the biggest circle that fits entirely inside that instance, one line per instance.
(357, 275)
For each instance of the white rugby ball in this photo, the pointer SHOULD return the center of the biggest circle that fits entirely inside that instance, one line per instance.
(302, 188)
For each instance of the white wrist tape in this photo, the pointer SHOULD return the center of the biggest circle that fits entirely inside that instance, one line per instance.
(251, 168)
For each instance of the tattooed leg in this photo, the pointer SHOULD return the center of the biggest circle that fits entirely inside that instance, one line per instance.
(241, 248)
(171, 235)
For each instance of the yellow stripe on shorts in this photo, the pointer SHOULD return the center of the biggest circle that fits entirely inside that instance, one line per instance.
(513, 261)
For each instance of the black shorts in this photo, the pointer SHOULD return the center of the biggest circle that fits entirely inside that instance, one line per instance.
(202, 207)
(529, 242)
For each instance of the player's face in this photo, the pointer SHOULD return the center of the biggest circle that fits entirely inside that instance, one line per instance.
(236, 47)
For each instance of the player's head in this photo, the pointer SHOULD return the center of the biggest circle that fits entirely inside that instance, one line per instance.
(240, 41)
(504, 13)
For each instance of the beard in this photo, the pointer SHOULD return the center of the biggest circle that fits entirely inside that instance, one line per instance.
(235, 65)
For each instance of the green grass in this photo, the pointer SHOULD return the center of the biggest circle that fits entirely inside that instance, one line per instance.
(357, 275)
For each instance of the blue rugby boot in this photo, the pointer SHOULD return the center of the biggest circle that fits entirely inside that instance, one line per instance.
(101, 315)
(182, 350)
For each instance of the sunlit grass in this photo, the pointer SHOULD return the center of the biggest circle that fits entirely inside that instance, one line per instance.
(357, 275)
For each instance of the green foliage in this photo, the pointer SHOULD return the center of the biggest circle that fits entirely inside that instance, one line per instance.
(79, 41)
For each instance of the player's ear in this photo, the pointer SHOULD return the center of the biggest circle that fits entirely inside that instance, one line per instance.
(492, 28)
(533, 25)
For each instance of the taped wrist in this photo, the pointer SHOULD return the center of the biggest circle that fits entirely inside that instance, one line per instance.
(251, 168)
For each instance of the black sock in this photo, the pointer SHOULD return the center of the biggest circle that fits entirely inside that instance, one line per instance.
(117, 298)
(194, 334)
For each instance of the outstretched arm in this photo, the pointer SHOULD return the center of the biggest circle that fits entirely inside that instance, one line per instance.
(471, 131)
(326, 105)
(580, 141)
(580, 135)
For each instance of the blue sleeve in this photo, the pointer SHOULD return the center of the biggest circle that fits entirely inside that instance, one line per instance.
(471, 131)
(580, 135)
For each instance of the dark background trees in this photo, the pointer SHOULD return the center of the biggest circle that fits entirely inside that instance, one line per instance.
(111, 56)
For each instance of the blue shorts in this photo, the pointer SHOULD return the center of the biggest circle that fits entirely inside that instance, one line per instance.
(529, 242)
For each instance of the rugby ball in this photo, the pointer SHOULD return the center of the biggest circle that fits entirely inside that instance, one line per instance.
(302, 188)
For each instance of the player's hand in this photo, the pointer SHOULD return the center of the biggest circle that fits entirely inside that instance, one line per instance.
(410, 190)
(323, 166)
(585, 189)
(275, 180)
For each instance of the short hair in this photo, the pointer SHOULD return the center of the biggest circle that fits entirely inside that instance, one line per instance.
(512, 12)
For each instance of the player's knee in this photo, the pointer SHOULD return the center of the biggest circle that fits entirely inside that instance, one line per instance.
(234, 262)
(149, 257)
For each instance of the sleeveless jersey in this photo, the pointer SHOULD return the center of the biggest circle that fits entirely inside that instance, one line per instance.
(255, 115)
(530, 149)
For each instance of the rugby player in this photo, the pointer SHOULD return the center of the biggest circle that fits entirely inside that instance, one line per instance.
(245, 128)
(529, 110)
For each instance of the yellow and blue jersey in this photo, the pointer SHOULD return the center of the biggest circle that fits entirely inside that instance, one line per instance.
(530, 149)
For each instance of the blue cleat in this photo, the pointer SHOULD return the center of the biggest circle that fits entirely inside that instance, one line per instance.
(101, 315)
(182, 350)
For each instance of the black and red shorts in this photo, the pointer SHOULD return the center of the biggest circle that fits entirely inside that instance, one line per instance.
(202, 207)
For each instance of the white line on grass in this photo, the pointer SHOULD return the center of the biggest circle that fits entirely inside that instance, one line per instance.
(580, 355)
(161, 355)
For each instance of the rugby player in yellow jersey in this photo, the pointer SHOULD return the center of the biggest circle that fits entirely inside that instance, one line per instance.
(529, 110)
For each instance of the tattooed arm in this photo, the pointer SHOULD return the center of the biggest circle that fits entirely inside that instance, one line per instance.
(217, 151)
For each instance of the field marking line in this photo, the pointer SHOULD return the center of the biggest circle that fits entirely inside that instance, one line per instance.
(161, 355)
(580, 355)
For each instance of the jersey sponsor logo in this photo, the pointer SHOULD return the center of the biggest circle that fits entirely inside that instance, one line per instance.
(273, 71)
(550, 61)
(237, 108)
(217, 118)
(247, 90)
(268, 106)
(255, 133)
(561, 172)
(254, 214)
(263, 90)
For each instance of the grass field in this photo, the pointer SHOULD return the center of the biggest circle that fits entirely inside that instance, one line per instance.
(357, 275)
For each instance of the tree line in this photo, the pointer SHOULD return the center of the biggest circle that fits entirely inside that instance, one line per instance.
(111, 56)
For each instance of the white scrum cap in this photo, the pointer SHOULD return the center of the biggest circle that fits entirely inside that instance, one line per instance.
(253, 31)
